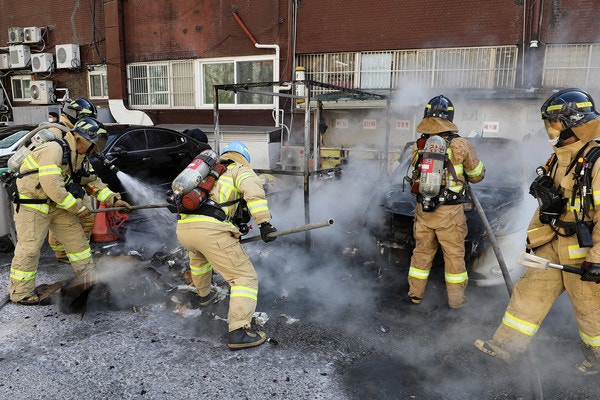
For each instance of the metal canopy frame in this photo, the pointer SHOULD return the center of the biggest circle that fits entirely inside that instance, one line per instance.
(304, 87)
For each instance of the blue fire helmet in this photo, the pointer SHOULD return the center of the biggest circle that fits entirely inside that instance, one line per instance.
(572, 106)
(90, 129)
(441, 107)
(237, 147)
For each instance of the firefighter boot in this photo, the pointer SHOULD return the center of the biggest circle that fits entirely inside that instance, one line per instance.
(242, 338)
(203, 301)
(591, 364)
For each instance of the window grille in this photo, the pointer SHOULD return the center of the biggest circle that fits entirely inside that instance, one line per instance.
(567, 65)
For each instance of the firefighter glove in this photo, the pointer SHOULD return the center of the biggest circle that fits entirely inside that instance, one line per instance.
(265, 229)
(122, 203)
(590, 272)
(83, 212)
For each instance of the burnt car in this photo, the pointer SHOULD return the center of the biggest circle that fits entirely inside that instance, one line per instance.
(151, 154)
(503, 195)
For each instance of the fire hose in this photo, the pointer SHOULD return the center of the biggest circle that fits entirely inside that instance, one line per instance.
(301, 228)
(537, 384)
(120, 209)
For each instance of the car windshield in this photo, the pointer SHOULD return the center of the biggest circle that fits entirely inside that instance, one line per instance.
(12, 139)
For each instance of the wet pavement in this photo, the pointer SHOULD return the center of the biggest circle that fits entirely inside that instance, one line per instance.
(339, 324)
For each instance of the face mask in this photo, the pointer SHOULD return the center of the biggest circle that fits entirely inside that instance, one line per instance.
(50, 119)
(553, 134)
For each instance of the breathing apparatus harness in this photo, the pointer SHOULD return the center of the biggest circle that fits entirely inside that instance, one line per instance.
(445, 195)
(197, 201)
(552, 204)
(72, 181)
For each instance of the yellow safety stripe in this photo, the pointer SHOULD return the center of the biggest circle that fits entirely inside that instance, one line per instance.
(43, 208)
(576, 205)
(418, 273)
(226, 188)
(189, 218)
(257, 205)
(242, 177)
(30, 163)
(82, 255)
(475, 172)
(244, 291)
(456, 278)
(22, 275)
(68, 202)
(59, 247)
(560, 106)
(596, 196)
(577, 252)
(104, 194)
(593, 341)
(522, 326)
(47, 170)
(201, 270)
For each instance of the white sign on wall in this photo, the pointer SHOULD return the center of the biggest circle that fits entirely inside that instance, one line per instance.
(341, 123)
(369, 124)
(402, 125)
(491, 127)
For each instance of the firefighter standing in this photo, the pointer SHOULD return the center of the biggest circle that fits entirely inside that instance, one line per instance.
(567, 189)
(50, 198)
(440, 219)
(75, 110)
(213, 242)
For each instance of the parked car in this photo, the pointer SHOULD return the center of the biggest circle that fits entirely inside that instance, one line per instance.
(150, 154)
(503, 195)
(10, 139)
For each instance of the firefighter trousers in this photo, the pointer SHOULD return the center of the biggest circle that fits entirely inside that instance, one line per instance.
(533, 295)
(32, 228)
(446, 226)
(215, 244)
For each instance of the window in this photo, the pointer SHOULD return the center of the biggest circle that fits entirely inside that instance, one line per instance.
(20, 87)
(161, 139)
(97, 82)
(492, 67)
(189, 83)
(244, 70)
(568, 65)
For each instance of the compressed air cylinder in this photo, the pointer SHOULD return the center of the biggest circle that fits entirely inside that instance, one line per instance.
(15, 161)
(194, 173)
(432, 167)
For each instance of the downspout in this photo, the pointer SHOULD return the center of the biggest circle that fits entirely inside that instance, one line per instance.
(275, 47)
(115, 67)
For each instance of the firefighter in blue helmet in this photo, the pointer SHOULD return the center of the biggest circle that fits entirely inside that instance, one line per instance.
(440, 189)
(564, 230)
(213, 242)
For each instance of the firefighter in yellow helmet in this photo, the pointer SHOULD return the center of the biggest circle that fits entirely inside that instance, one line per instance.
(73, 111)
(50, 197)
(564, 230)
(213, 242)
(439, 184)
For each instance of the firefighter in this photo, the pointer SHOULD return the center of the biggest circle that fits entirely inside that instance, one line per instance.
(213, 242)
(439, 216)
(564, 230)
(50, 197)
(76, 109)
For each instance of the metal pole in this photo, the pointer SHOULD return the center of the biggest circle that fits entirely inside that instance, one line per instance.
(301, 228)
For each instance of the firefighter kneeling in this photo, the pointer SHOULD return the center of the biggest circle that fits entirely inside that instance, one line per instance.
(442, 161)
(207, 196)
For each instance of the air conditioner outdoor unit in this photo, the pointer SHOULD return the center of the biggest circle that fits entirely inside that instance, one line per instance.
(15, 35)
(32, 34)
(42, 92)
(67, 56)
(4, 61)
(20, 55)
(42, 62)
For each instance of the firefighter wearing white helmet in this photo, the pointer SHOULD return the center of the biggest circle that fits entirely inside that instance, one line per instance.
(442, 163)
(564, 230)
(50, 197)
(213, 242)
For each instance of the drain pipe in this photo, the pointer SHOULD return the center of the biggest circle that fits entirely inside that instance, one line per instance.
(275, 64)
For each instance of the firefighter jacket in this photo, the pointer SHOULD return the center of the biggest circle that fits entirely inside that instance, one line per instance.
(53, 175)
(240, 180)
(563, 176)
(464, 159)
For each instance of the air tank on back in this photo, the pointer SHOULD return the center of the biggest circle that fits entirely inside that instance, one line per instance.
(194, 173)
